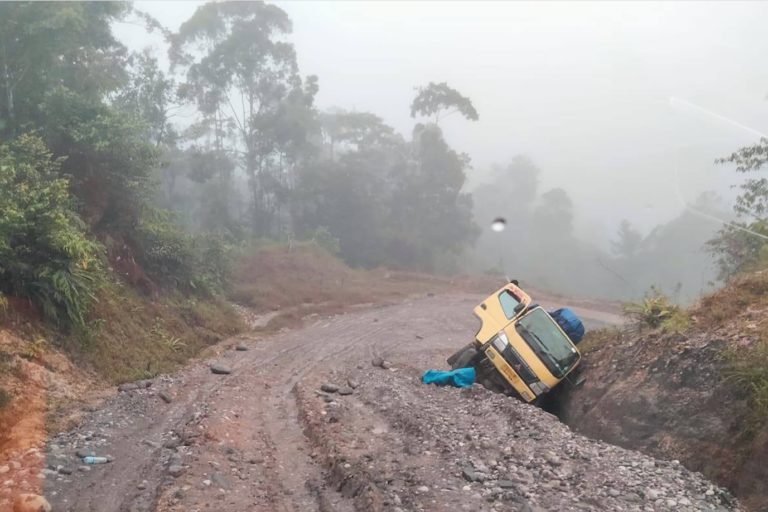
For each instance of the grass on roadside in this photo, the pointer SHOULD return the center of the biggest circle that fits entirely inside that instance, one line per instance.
(747, 368)
(654, 311)
(130, 337)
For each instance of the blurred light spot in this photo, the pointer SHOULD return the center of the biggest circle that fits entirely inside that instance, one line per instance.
(499, 224)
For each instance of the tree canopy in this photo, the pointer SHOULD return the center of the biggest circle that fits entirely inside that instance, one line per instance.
(440, 100)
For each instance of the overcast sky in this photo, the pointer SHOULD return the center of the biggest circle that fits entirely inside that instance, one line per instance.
(625, 105)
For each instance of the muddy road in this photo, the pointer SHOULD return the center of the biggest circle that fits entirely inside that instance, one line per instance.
(265, 437)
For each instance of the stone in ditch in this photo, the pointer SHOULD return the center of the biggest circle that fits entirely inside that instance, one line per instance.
(470, 475)
(353, 383)
(553, 459)
(65, 470)
(241, 348)
(329, 388)
(386, 365)
(172, 443)
(175, 470)
(506, 484)
(220, 369)
(165, 397)
(345, 390)
(128, 386)
(146, 383)
(377, 361)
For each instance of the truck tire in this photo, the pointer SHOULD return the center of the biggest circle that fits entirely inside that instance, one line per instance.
(465, 359)
(458, 353)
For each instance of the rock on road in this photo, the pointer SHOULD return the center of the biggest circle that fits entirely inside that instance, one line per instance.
(266, 437)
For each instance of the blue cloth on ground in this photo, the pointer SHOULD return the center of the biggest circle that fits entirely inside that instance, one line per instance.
(459, 378)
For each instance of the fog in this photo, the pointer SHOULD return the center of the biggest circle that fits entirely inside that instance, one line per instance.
(624, 106)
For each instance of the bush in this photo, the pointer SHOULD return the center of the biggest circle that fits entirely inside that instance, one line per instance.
(737, 250)
(177, 260)
(165, 252)
(213, 257)
(657, 310)
(323, 237)
(44, 252)
(747, 368)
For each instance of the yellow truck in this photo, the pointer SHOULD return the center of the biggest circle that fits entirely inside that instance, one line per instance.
(521, 349)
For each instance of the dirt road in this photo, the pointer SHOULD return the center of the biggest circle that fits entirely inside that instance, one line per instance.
(266, 438)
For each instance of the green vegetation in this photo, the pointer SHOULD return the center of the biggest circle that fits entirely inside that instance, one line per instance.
(176, 260)
(140, 339)
(120, 227)
(656, 310)
(45, 254)
(743, 246)
(747, 368)
(440, 99)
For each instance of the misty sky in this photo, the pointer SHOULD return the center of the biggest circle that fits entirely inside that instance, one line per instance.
(610, 100)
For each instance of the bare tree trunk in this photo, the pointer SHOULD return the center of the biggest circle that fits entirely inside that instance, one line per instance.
(9, 94)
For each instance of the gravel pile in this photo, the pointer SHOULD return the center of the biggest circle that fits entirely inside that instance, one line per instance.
(476, 450)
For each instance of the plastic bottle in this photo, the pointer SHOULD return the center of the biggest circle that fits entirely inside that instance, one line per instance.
(95, 460)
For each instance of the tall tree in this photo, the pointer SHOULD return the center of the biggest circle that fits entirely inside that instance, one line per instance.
(431, 213)
(44, 45)
(151, 95)
(628, 240)
(743, 245)
(510, 193)
(355, 131)
(553, 215)
(241, 73)
(440, 100)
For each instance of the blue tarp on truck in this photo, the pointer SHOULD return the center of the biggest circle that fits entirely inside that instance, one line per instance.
(570, 323)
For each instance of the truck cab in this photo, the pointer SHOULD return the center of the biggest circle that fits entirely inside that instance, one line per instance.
(519, 349)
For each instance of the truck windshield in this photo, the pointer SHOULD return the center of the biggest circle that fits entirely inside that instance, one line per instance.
(545, 338)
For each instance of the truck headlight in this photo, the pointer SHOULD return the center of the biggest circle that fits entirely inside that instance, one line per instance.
(538, 388)
(500, 342)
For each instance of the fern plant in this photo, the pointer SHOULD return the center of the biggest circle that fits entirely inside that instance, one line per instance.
(656, 310)
(45, 254)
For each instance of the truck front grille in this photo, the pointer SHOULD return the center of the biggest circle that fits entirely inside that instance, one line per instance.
(517, 364)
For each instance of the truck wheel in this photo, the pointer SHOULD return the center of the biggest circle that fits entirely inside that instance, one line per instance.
(458, 353)
(491, 385)
(486, 377)
(465, 359)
